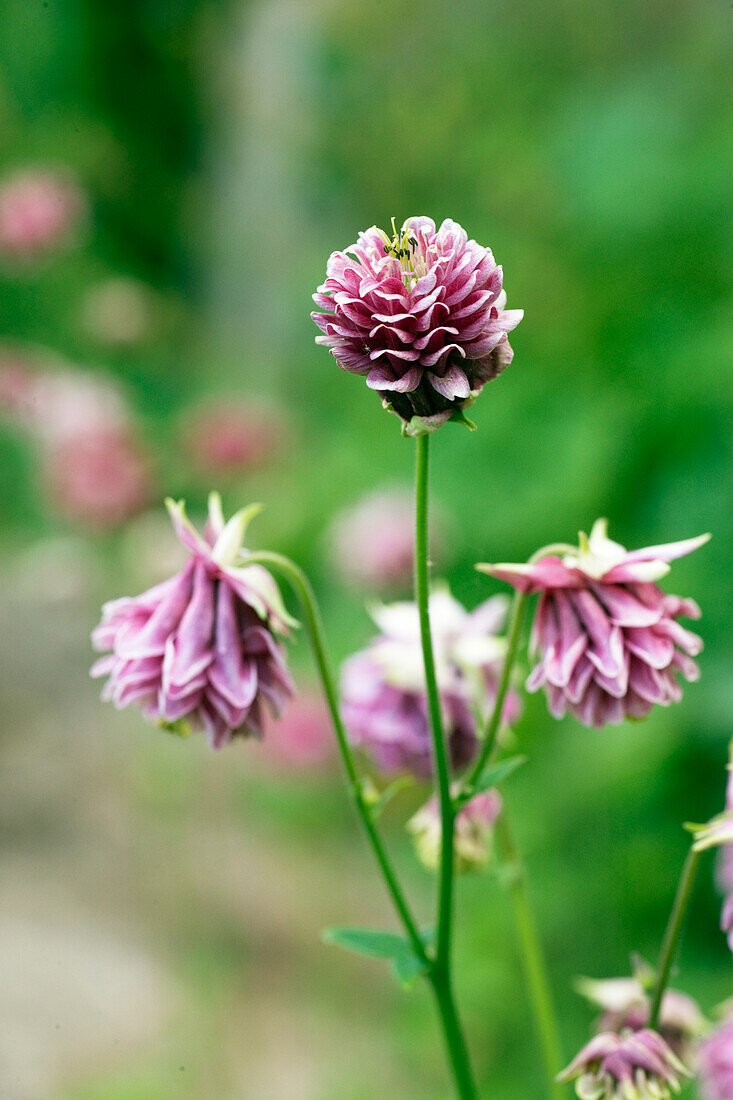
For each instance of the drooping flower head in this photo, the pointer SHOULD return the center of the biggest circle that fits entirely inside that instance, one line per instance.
(635, 1065)
(383, 686)
(421, 315)
(625, 1005)
(606, 637)
(199, 650)
(471, 837)
(715, 1063)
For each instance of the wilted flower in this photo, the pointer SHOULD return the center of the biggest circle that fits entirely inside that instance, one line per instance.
(607, 637)
(230, 437)
(625, 1005)
(98, 479)
(38, 212)
(199, 650)
(421, 315)
(472, 833)
(715, 1063)
(383, 686)
(372, 543)
(635, 1065)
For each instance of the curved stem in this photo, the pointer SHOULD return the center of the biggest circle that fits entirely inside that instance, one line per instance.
(673, 932)
(440, 752)
(515, 632)
(532, 957)
(303, 589)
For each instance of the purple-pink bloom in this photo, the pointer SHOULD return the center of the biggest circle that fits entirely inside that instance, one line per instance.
(421, 315)
(715, 1063)
(199, 650)
(635, 1065)
(607, 639)
(38, 211)
(383, 686)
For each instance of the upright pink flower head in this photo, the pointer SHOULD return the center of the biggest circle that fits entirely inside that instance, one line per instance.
(606, 637)
(421, 315)
(383, 686)
(715, 1063)
(199, 650)
(38, 211)
(634, 1065)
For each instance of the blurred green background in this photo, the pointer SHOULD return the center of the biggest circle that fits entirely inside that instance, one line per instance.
(161, 905)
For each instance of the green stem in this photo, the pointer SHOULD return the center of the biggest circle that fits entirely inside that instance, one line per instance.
(532, 957)
(302, 587)
(515, 632)
(440, 971)
(440, 752)
(674, 931)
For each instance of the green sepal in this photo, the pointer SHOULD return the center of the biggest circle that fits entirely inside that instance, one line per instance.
(459, 417)
(179, 728)
(407, 969)
(490, 777)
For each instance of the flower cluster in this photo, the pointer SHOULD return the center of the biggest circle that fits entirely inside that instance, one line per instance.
(383, 686)
(199, 650)
(421, 315)
(635, 1065)
(607, 639)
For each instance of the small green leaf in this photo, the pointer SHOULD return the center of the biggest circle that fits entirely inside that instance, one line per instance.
(491, 777)
(366, 941)
(407, 969)
(459, 417)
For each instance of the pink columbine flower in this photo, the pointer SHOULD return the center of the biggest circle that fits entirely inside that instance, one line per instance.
(199, 650)
(230, 437)
(372, 543)
(421, 315)
(303, 737)
(38, 212)
(607, 639)
(474, 826)
(624, 1004)
(383, 686)
(715, 1063)
(636, 1065)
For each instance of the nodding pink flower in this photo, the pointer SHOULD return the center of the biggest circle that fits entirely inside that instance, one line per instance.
(199, 650)
(230, 437)
(421, 315)
(373, 543)
(715, 1063)
(471, 837)
(38, 212)
(98, 478)
(383, 686)
(635, 1065)
(607, 639)
(625, 1006)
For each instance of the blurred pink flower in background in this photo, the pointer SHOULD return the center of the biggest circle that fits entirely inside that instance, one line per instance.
(715, 1063)
(472, 837)
(372, 543)
(229, 437)
(93, 466)
(39, 211)
(303, 736)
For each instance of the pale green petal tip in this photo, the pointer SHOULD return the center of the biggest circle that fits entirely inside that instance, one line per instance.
(229, 541)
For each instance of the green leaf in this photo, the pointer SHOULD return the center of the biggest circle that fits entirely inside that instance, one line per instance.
(407, 969)
(492, 776)
(366, 941)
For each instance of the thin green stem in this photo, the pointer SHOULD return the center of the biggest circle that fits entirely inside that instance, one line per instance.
(440, 752)
(302, 587)
(515, 632)
(532, 957)
(440, 971)
(674, 931)
(455, 1043)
